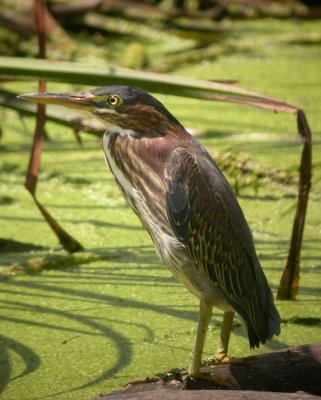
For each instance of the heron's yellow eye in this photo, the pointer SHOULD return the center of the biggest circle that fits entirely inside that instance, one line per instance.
(113, 100)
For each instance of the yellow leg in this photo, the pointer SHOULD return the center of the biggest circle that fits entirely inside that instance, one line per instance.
(204, 320)
(225, 334)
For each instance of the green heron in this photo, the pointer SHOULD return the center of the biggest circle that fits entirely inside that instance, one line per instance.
(187, 206)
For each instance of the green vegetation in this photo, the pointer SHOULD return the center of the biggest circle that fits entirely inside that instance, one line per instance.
(115, 313)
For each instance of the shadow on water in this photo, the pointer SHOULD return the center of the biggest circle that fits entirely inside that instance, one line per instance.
(124, 349)
(100, 298)
(263, 197)
(31, 360)
(122, 272)
(75, 221)
(9, 245)
(31, 290)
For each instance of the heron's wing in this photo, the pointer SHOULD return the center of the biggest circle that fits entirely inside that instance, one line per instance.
(206, 217)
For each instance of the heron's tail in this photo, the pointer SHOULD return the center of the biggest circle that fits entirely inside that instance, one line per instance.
(273, 319)
(267, 325)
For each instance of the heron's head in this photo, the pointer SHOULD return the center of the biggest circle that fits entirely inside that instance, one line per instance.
(121, 108)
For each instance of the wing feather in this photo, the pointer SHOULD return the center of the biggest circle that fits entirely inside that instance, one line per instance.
(206, 217)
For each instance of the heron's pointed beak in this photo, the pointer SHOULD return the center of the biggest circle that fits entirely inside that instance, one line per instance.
(82, 101)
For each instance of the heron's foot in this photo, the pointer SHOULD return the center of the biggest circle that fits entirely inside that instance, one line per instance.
(209, 378)
(224, 359)
(142, 381)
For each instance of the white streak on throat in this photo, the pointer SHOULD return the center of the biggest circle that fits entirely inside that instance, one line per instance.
(116, 171)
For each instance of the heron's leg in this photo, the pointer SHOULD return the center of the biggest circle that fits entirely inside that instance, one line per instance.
(225, 334)
(204, 320)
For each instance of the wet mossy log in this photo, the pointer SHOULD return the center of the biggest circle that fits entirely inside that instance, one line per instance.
(292, 373)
